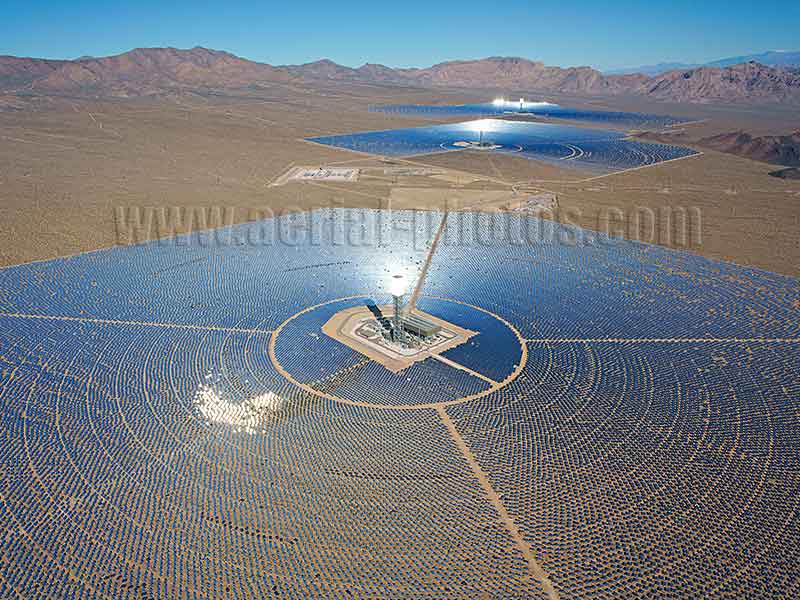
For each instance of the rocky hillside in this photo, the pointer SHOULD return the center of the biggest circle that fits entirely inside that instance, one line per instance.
(745, 82)
(777, 149)
(157, 70)
(522, 74)
(139, 72)
(749, 82)
(495, 73)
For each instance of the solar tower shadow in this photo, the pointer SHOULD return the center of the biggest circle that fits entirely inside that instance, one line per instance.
(382, 319)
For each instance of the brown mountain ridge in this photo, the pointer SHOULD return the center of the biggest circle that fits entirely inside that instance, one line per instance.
(139, 72)
(777, 149)
(147, 71)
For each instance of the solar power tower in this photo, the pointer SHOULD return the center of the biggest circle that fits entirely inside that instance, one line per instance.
(397, 287)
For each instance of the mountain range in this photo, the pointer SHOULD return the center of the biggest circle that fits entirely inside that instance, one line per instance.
(773, 58)
(158, 71)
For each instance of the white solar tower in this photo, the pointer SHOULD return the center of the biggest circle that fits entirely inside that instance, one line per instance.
(397, 287)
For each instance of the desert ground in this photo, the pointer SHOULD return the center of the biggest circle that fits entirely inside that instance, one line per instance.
(74, 173)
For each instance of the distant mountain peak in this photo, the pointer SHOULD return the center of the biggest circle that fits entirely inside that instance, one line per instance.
(147, 71)
(141, 71)
(771, 58)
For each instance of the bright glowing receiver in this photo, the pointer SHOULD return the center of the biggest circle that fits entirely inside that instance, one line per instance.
(397, 285)
(499, 101)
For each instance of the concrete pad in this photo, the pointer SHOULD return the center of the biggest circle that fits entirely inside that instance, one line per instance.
(343, 328)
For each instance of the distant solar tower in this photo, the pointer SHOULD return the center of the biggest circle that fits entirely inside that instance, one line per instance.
(397, 287)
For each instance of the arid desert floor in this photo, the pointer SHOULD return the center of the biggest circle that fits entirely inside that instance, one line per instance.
(73, 174)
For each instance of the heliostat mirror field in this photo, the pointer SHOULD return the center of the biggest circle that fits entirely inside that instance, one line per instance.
(540, 109)
(593, 150)
(153, 447)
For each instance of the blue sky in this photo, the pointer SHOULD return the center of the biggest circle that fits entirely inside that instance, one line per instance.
(408, 32)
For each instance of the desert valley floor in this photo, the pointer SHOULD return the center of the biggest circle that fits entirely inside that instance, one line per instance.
(74, 172)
